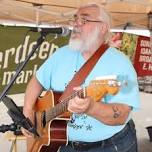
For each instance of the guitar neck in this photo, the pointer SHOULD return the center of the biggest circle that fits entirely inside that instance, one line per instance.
(96, 89)
(62, 105)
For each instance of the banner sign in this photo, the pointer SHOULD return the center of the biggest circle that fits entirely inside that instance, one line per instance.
(15, 45)
(143, 57)
(17, 42)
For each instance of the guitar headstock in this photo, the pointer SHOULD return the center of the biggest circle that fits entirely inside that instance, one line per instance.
(101, 86)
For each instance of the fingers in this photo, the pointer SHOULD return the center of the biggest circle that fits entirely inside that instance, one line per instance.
(79, 105)
(29, 113)
(26, 133)
(77, 88)
(75, 105)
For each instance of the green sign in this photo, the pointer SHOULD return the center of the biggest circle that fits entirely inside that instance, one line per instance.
(15, 45)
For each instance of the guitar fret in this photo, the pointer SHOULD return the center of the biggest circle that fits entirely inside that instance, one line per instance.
(81, 94)
(62, 106)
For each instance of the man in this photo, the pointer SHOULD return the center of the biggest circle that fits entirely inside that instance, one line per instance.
(103, 126)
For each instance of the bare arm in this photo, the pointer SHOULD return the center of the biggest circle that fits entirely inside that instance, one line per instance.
(108, 113)
(32, 92)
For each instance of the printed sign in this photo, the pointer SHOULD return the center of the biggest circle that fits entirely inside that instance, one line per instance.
(17, 42)
(143, 57)
(15, 45)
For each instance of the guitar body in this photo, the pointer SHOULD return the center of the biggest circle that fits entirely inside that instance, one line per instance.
(52, 134)
(51, 116)
(57, 136)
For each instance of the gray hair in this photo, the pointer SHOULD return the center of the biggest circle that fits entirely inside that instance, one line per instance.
(104, 16)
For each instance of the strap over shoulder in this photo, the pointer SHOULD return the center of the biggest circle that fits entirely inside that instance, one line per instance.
(84, 71)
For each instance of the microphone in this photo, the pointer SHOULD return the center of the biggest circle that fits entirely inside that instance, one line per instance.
(55, 30)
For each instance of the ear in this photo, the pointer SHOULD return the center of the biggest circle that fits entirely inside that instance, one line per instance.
(104, 28)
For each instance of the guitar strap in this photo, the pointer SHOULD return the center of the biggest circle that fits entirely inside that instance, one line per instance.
(83, 72)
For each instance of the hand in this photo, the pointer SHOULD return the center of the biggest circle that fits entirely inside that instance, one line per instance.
(29, 114)
(80, 105)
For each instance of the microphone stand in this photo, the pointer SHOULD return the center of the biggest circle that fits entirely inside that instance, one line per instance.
(13, 110)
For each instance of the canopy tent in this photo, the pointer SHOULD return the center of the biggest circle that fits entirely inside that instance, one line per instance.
(125, 13)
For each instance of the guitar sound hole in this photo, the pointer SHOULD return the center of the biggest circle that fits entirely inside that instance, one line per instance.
(43, 119)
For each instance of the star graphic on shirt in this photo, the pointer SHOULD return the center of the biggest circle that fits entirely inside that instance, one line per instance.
(89, 127)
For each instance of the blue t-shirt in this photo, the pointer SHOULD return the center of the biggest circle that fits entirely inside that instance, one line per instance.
(58, 70)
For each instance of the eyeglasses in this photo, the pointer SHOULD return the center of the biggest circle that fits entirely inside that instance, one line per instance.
(82, 20)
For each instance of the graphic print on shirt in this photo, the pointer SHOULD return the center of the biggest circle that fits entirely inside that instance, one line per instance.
(82, 118)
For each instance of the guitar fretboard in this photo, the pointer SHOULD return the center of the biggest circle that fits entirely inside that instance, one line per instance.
(62, 105)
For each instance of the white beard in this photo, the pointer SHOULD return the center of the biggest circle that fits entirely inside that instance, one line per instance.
(86, 43)
(76, 44)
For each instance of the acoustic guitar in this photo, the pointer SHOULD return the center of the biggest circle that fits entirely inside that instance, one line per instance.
(51, 119)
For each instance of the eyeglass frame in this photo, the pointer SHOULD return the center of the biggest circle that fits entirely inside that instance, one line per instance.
(83, 21)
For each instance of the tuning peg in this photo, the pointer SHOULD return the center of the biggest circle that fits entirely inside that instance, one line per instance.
(122, 83)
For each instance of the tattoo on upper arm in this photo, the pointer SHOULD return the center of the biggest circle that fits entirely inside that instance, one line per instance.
(116, 111)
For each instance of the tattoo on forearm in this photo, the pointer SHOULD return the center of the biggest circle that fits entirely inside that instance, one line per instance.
(116, 111)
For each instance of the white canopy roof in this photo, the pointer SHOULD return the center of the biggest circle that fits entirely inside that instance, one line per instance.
(130, 13)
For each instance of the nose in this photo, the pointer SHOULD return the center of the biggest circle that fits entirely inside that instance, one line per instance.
(76, 25)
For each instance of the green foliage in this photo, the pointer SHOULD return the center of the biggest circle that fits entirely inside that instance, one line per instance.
(129, 42)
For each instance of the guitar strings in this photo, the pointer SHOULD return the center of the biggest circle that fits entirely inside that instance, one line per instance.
(61, 106)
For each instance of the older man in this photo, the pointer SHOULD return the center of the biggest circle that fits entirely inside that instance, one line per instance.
(104, 126)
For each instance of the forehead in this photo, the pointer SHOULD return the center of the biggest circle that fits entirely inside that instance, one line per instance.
(88, 11)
